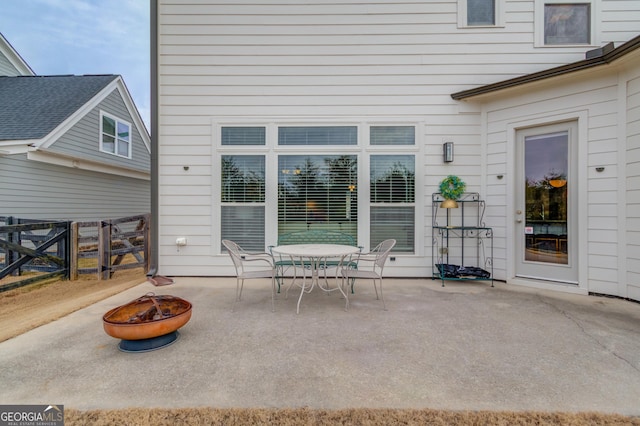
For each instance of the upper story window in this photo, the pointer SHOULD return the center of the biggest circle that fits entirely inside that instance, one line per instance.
(565, 22)
(115, 136)
(480, 13)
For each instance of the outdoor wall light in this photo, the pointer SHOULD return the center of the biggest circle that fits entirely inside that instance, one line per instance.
(447, 152)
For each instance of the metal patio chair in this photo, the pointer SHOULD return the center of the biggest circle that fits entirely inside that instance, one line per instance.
(370, 266)
(246, 264)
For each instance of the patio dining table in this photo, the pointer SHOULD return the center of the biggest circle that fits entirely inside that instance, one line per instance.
(315, 257)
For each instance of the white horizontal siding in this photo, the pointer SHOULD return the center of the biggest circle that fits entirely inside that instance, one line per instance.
(35, 190)
(370, 60)
(83, 139)
(594, 98)
(6, 67)
(632, 194)
(619, 20)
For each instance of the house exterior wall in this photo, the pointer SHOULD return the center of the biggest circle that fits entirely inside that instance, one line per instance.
(6, 67)
(83, 139)
(358, 61)
(36, 190)
(632, 191)
(607, 219)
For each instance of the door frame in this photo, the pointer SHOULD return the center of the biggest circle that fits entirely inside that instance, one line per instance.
(581, 117)
(540, 270)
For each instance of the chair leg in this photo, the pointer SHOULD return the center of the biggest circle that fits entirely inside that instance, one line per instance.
(233, 308)
(384, 305)
(273, 293)
(279, 276)
(239, 286)
(375, 287)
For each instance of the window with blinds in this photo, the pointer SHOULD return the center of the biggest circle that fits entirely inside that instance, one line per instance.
(392, 135)
(392, 194)
(317, 192)
(325, 135)
(243, 200)
(242, 135)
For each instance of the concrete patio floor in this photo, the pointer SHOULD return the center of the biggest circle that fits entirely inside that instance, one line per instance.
(465, 346)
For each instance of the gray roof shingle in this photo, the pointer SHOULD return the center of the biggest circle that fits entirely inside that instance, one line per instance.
(32, 106)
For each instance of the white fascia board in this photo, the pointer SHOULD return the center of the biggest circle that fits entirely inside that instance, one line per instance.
(133, 111)
(66, 161)
(16, 60)
(24, 143)
(13, 150)
(63, 127)
(15, 147)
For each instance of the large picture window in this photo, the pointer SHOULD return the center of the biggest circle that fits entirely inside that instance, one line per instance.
(317, 192)
(315, 181)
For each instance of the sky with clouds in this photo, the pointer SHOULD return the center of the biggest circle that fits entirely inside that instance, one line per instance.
(83, 37)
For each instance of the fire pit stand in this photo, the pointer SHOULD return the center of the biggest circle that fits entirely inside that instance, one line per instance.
(147, 323)
(147, 345)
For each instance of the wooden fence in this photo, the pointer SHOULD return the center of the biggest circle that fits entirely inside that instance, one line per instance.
(108, 242)
(40, 250)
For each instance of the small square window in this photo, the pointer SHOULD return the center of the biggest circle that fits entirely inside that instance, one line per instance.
(481, 12)
(115, 136)
(567, 24)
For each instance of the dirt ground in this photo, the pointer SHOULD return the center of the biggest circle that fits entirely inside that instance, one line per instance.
(34, 305)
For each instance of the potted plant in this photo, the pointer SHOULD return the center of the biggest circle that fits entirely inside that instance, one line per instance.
(451, 189)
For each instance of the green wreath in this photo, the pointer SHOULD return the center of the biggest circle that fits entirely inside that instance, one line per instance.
(452, 187)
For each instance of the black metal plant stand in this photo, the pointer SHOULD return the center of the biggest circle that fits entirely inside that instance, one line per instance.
(462, 245)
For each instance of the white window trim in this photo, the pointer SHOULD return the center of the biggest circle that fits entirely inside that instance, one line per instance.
(117, 120)
(539, 23)
(499, 18)
(271, 150)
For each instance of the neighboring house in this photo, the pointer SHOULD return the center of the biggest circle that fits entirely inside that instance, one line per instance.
(71, 147)
(273, 117)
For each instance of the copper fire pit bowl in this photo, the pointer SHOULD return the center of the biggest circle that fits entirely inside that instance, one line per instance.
(147, 323)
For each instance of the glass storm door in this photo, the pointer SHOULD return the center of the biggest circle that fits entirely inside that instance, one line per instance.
(545, 216)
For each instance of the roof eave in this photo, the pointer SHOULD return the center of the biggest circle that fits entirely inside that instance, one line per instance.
(608, 55)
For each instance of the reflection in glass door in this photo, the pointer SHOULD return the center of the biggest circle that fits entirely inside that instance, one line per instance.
(546, 170)
(545, 216)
